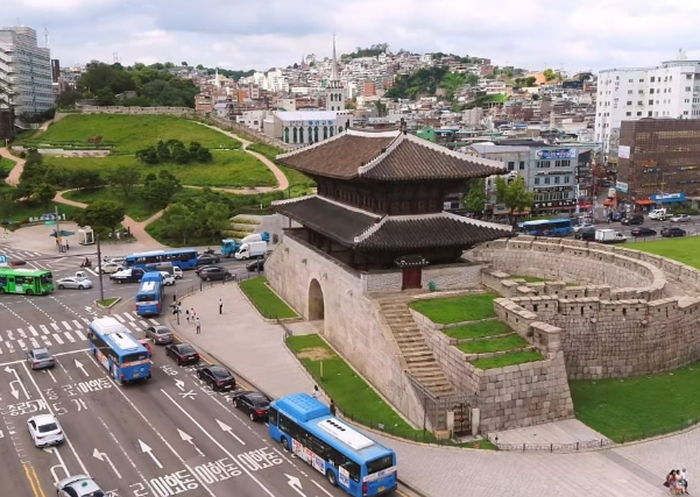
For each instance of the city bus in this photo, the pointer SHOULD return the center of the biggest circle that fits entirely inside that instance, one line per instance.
(124, 358)
(149, 296)
(182, 258)
(547, 227)
(345, 456)
(25, 281)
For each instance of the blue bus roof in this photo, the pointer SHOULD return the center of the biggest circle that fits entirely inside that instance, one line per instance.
(315, 417)
(543, 222)
(116, 335)
(152, 276)
(163, 252)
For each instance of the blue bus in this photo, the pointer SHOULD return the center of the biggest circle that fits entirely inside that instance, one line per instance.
(547, 227)
(345, 456)
(118, 351)
(182, 258)
(149, 297)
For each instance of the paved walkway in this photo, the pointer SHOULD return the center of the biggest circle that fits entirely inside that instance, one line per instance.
(255, 350)
(16, 172)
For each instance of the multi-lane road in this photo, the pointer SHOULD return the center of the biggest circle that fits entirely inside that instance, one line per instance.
(168, 436)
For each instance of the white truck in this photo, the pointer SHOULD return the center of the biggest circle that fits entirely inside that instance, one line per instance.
(608, 235)
(658, 214)
(251, 249)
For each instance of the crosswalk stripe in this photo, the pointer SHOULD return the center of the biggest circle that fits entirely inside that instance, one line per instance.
(143, 323)
(69, 337)
(34, 343)
(153, 321)
(44, 329)
(0, 338)
(77, 323)
(80, 334)
(119, 318)
(33, 331)
(10, 347)
(55, 326)
(85, 320)
(91, 271)
(66, 325)
(58, 338)
(47, 342)
(10, 335)
(0, 350)
(134, 325)
(21, 345)
(21, 332)
(129, 316)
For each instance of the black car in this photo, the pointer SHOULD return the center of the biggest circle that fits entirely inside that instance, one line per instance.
(214, 273)
(256, 404)
(586, 233)
(636, 219)
(206, 259)
(255, 266)
(218, 377)
(643, 231)
(182, 353)
(616, 216)
(672, 232)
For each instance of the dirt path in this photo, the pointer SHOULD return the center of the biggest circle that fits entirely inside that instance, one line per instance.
(16, 172)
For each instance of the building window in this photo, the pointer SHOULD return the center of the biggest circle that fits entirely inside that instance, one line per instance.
(628, 114)
(521, 165)
(639, 113)
(629, 92)
(687, 88)
(325, 132)
(310, 136)
(649, 114)
(511, 165)
(286, 134)
(640, 102)
(651, 79)
(556, 180)
(567, 179)
(629, 102)
(294, 135)
(651, 90)
(651, 101)
(537, 180)
(315, 133)
(547, 180)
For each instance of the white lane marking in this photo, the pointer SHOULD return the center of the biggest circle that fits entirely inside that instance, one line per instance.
(58, 338)
(80, 334)
(33, 331)
(143, 323)
(322, 489)
(0, 350)
(10, 335)
(77, 323)
(47, 342)
(21, 332)
(69, 337)
(10, 347)
(85, 320)
(59, 354)
(216, 442)
(119, 318)
(48, 406)
(66, 325)
(129, 316)
(92, 272)
(21, 345)
(1, 338)
(55, 326)
(153, 321)
(35, 344)
(44, 329)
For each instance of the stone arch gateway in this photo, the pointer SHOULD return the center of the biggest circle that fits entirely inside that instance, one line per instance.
(316, 305)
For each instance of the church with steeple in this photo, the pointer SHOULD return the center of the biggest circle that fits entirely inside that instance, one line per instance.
(335, 92)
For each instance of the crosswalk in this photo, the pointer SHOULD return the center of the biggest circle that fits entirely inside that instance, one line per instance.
(37, 260)
(66, 332)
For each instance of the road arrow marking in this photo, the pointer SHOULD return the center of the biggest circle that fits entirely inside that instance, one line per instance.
(80, 366)
(229, 430)
(180, 385)
(102, 456)
(147, 450)
(295, 483)
(13, 389)
(188, 438)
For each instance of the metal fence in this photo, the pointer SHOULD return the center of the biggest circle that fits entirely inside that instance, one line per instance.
(551, 447)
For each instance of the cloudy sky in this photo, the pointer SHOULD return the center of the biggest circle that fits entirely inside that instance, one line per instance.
(567, 34)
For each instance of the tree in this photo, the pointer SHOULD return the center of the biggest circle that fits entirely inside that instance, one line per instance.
(123, 179)
(103, 215)
(159, 191)
(179, 220)
(381, 108)
(44, 194)
(85, 179)
(475, 201)
(513, 194)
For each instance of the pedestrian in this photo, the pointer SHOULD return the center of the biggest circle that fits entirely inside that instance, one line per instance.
(316, 393)
(221, 306)
(193, 314)
(174, 297)
(684, 480)
(332, 408)
(187, 316)
(67, 246)
(199, 326)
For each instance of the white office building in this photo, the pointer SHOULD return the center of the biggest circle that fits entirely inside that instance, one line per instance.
(629, 94)
(25, 71)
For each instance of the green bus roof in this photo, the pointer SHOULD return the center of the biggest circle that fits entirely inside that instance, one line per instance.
(7, 271)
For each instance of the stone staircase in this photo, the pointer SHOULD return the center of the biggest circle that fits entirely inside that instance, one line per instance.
(419, 358)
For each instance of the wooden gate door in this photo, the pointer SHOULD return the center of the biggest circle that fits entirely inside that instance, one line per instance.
(411, 277)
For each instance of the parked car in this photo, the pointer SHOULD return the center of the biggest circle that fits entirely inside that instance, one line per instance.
(201, 268)
(587, 233)
(680, 218)
(643, 231)
(131, 275)
(672, 231)
(115, 260)
(632, 220)
(168, 279)
(255, 266)
(255, 404)
(182, 353)
(218, 377)
(40, 358)
(110, 267)
(73, 282)
(78, 486)
(580, 227)
(45, 430)
(161, 335)
(207, 259)
(214, 273)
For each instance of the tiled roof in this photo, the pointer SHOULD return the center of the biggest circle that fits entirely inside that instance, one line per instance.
(387, 156)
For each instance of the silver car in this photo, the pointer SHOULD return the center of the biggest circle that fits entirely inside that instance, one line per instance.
(73, 282)
(78, 486)
(40, 358)
(45, 430)
(161, 335)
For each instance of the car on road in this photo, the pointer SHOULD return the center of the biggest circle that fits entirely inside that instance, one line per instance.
(634, 219)
(586, 233)
(45, 430)
(182, 353)
(214, 273)
(131, 275)
(681, 218)
(255, 266)
(616, 216)
(116, 260)
(73, 282)
(207, 259)
(40, 358)
(110, 267)
(78, 486)
(218, 377)
(255, 404)
(168, 279)
(672, 231)
(643, 231)
(161, 335)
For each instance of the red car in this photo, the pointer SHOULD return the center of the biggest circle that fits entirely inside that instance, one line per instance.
(182, 353)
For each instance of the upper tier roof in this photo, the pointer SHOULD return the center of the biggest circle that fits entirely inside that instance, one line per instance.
(387, 156)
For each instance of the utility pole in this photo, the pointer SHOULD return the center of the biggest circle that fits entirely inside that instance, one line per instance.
(58, 230)
(99, 267)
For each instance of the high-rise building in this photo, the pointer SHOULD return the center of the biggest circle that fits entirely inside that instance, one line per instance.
(25, 71)
(671, 90)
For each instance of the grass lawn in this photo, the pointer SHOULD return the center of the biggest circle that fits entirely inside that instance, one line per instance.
(6, 166)
(108, 302)
(642, 406)
(508, 359)
(265, 300)
(512, 341)
(129, 133)
(456, 309)
(682, 249)
(528, 279)
(350, 392)
(136, 207)
(230, 168)
(476, 330)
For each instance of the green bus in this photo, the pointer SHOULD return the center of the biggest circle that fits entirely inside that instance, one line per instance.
(25, 281)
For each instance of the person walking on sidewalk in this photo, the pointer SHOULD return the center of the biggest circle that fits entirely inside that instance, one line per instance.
(221, 306)
(187, 316)
(316, 393)
(199, 325)
(193, 314)
(332, 408)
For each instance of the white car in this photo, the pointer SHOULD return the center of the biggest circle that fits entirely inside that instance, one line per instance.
(73, 282)
(168, 279)
(78, 486)
(45, 430)
(111, 267)
(680, 218)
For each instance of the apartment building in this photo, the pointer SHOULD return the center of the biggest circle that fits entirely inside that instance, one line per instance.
(25, 71)
(670, 90)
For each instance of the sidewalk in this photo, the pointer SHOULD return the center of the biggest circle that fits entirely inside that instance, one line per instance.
(254, 349)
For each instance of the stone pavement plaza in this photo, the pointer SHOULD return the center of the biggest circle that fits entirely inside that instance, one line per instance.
(255, 350)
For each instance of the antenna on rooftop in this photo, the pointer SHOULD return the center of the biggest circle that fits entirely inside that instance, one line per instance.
(115, 57)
